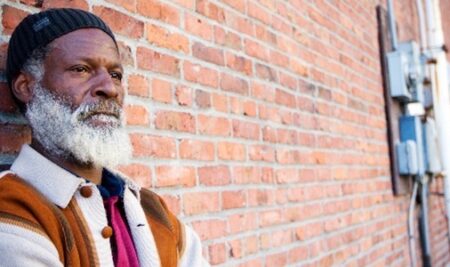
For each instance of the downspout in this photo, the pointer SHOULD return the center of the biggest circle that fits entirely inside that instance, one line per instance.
(440, 91)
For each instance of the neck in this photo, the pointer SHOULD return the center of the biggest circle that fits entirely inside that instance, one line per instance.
(88, 171)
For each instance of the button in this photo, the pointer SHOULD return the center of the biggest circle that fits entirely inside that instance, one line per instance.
(86, 191)
(107, 232)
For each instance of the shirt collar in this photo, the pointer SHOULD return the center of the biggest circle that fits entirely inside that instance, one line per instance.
(54, 182)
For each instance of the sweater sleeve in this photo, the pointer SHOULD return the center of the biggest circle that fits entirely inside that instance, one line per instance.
(23, 247)
(192, 255)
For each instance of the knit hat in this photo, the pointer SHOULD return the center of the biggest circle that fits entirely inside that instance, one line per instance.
(38, 30)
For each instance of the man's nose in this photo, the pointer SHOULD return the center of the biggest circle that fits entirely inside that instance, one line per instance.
(105, 86)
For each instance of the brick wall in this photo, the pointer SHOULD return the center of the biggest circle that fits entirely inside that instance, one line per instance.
(261, 123)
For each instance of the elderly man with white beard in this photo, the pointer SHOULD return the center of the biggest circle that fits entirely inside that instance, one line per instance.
(61, 204)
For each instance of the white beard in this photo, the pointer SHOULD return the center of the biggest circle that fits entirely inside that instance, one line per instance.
(64, 132)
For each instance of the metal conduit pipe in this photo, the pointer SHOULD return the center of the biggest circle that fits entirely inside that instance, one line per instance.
(393, 29)
(423, 224)
(440, 90)
(412, 244)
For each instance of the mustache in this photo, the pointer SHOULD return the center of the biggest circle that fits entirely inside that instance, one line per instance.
(105, 107)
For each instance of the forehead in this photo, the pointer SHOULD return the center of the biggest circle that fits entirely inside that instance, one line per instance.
(85, 43)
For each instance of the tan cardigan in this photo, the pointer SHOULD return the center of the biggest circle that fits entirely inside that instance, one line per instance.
(23, 206)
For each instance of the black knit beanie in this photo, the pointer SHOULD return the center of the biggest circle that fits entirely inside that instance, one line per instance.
(38, 30)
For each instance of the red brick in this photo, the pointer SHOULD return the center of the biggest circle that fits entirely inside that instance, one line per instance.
(249, 108)
(3, 52)
(153, 146)
(174, 176)
(258, 13)
(126, 56)
(233, 84)
(246, 175)
(239, 23)
(261, 153)
(247, 130)
(11, 18)
(279, 259)
(12, 137)
(284, 98)
(209, 54)
(175, 121)
(278, 58)
(139, 173)
(201, 202)
(184, 96)
(202, 99)
(148, 59)
(242, 222)
(235, 248)
(299, 68)
(199, 74)
(239, 63)
(198, 150)
(80, 4)
(173, 203)
(231, 151)
(262, 91)
(276, 239)
(287, 176)
(227, 38)
(138, 85)
(35, 3)
(136, 115)
(121, 23)
(7, 102)
(214, 175)
(269, 134)
(160, 11)
(256, 50)
(253, 263)
(260, 197)
(266, 73)
(210, 10)
(214, 125)
(161, 91)
(210, 229)
(271, 217)
(189, 4)
(199, 27)
(162, 37)
(239, 5)
(220, 102)
(217, 253)
(233, 199)
(129, 5)
(262, 33)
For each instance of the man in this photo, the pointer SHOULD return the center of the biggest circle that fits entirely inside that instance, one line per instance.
(60, 204)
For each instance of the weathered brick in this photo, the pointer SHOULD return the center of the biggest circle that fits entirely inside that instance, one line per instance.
(227, 38)
(184, 96)
(231, 151)
(201, 202)
(81, 4)
(254, 49)
(138, 85)
(233, 84)
(261, 153)
(214, 175)
(220, 102)
(210, 10)
(239, 63)
(163, 37)
(233, 199)
(121, 23)
(157, 10)
(136, 115)
(209, 54)
(202, 99)
(217, 253)
(11, 18)
(246, 175)
(129, 5)
(198, 150)
(161, 91)
(175, 121)
(148, 59)
(199, 74)
(140, 173)
(12, 137)
(214, 125)
(198, 26)
(153, 146)
(167, 175)
(246, 130)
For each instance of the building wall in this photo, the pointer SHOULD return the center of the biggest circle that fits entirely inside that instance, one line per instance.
(260, 122)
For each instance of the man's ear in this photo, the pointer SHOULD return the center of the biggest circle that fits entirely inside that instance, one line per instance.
(22, 87)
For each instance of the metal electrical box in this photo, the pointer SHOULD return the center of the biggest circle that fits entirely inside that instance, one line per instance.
(405, 73)
(410, 151)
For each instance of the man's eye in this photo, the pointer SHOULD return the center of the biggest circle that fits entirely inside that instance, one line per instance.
(79, 69)
(116, 75)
